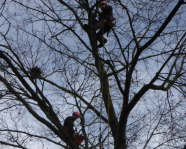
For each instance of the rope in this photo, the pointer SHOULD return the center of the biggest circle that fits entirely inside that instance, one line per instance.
(108, 107)
(94, 104)
(108, 98)
(100, 137)
(108, 87)
(101, 145)
(108, 116)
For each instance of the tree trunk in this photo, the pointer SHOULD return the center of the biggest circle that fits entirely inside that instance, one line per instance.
(121, 139)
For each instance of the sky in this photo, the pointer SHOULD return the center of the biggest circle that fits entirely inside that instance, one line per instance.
(68, 40)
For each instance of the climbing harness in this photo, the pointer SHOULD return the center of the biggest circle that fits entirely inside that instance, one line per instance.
(112, 21)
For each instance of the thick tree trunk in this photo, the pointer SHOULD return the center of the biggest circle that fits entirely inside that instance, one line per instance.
(120, 141)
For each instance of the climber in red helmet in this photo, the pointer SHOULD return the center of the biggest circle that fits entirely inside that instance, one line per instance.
(69, 123)
(105, 23)
(102, 4)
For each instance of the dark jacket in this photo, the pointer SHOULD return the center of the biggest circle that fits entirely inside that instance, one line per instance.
(106, 12)
(69, 123)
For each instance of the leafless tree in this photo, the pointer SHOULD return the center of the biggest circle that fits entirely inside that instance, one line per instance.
(131, 91)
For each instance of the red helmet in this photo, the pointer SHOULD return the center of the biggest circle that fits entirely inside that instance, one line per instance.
(102, 3)
(76, 114)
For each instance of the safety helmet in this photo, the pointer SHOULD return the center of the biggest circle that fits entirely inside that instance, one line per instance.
(76, 114)
(102, 3)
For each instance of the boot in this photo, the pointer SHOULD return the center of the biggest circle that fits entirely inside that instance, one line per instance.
(86, 27)
(102, 42)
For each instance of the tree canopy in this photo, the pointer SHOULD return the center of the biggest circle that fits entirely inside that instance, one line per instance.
(132, 91)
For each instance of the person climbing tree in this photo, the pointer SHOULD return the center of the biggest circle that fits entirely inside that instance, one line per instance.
(69, 124)
(105, 23)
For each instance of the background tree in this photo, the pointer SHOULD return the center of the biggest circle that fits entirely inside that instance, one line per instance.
(132, 91)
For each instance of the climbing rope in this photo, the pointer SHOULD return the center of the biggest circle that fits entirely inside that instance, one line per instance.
(108, 107)
(108, 116)
(101, 71)
(100, 137)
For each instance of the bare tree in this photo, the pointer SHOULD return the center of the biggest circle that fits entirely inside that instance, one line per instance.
(131, 92)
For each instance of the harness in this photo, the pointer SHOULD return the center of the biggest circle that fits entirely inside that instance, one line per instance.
(112, 21)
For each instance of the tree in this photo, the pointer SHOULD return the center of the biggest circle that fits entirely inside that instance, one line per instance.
(132, 91)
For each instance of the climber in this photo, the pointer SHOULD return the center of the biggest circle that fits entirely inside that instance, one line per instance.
(105, 23)
(69, 123)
